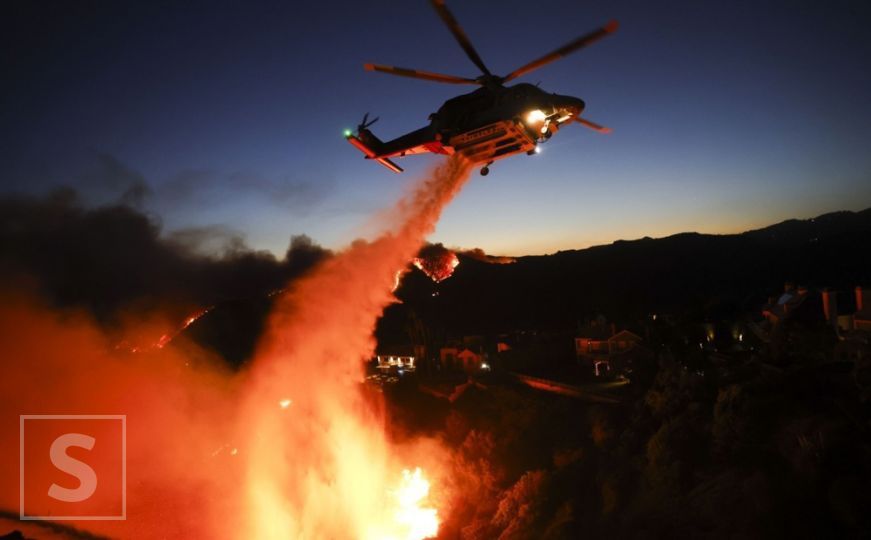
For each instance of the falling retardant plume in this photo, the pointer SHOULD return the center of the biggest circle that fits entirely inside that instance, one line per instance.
(294, 446)
(319, 464)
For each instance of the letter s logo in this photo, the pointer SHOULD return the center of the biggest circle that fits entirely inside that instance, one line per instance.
(86, 475)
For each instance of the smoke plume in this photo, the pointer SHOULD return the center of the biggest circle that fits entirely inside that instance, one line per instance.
(478, 254)
(113, 259)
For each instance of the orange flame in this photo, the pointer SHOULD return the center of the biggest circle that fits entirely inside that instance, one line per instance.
(421, 522)
(164, 338)
(437, 262)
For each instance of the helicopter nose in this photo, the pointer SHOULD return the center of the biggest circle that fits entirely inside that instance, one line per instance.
(573, 104)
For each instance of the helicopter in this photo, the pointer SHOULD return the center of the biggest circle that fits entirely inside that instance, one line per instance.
(491, 123)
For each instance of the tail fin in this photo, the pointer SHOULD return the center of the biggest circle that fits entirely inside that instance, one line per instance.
(368, 143)
(389, 164)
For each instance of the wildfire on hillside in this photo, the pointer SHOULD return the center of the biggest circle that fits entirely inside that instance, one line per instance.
(165, 338)
(437, 262)
(420, 521)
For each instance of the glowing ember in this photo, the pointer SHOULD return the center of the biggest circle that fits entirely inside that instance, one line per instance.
(437, 262)
(418, 521)
(396, 280)
(190, 320)
(164, 339)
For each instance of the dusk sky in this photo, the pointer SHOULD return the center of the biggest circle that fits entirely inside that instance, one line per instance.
(727, 116)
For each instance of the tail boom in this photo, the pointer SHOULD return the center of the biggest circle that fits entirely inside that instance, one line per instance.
(372, 154)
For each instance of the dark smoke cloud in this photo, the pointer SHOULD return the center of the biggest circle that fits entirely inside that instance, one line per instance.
(479, 255)
(206, 186)
(433, 251)
(107, 179)
(111, 258)
(209, 240)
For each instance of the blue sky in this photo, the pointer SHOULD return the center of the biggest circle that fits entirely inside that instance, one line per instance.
(726, 115)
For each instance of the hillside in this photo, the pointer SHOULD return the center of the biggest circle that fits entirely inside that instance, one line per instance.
(688, 275)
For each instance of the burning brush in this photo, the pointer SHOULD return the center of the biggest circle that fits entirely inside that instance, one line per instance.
(437, 262)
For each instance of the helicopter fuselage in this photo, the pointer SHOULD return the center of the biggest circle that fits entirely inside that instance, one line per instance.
(488, 124)
(487, 105)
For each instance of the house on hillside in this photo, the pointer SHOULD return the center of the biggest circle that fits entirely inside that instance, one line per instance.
(463, 359)
(828, 325)
(794, 303)
(622, 341)
(601, 345)
(862, 316)
(400, 358)
(821, 306)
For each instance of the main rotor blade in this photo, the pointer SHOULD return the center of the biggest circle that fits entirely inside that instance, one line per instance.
(417, 74)
(459, 35)
(565, 50)
(592, 125)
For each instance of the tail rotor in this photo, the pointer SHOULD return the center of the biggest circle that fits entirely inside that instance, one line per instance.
(366, 123)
